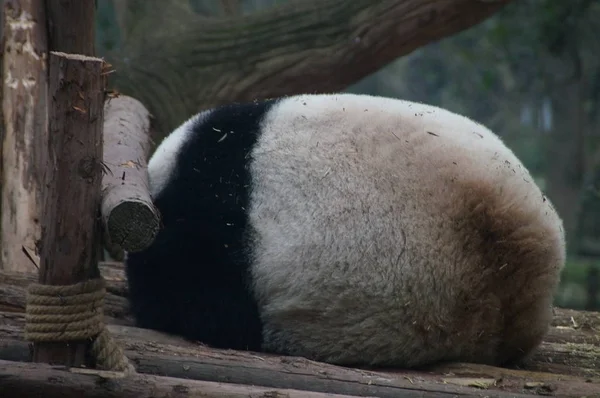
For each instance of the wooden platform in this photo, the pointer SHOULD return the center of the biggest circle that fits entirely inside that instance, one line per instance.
(567, 364)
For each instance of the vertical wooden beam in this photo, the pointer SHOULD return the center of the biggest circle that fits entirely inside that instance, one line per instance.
(71, 26)
(70, 225)
(25, 136)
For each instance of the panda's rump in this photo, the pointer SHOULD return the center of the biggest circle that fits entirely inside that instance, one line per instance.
(392, 238)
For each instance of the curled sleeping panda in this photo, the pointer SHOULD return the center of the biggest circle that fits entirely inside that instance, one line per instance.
(348, 229)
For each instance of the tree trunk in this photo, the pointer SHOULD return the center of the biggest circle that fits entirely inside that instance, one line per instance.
(24, 131)
(565, 154)
(301, 46)
(564, 70)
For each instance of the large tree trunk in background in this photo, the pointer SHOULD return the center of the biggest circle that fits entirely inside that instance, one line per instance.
(587, 232)
(565, 148)
(301, 46)
(24, 131)
(566, 364)
(565, 153)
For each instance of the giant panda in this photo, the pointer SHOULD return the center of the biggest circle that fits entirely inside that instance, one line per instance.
(349, 229)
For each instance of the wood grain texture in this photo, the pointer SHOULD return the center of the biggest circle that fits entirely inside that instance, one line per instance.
(41, 380)
(24, 132)
(567, 364)
(70, 224)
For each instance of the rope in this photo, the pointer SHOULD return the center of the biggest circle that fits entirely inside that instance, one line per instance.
(73, 312)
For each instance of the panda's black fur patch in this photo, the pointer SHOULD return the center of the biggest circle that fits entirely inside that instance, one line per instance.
(193, 280)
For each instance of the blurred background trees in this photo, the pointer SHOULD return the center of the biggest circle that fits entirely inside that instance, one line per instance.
(529, 72)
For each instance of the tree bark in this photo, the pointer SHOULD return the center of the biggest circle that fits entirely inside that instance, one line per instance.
(567, 365)
(25, 135)
(566, 144)
(301, 46)
(69, 252)
(130, 219)
(41, 380)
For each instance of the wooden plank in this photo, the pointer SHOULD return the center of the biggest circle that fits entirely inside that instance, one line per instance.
(156, 353)
(41, 380)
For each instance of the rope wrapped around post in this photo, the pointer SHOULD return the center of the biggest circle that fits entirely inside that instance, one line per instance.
(73, 312)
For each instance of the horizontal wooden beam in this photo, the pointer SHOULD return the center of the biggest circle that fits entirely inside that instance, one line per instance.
(41, 380)
(566, 364)
(575, 373)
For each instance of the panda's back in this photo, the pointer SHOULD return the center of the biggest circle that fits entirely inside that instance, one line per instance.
(357, 229)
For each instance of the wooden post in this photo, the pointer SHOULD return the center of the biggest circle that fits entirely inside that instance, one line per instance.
(71, 26)
(70, 225)
(25, 136)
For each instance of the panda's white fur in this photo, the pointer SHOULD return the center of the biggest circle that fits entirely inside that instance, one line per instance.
(162, 162)
(387, 232)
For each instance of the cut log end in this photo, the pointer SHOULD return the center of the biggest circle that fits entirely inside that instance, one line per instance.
(133, 224)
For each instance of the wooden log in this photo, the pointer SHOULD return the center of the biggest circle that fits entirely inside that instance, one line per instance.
(24, 132)
(70, 248)
(572, 345)
(574, 372)
(41, 380)
(130, 219)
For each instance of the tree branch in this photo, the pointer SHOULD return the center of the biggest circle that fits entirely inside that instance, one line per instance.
(303, 46)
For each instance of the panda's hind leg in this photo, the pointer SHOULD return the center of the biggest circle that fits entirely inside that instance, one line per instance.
(183, 285)
(521, 248)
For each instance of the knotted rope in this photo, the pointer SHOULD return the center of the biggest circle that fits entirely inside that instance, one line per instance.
(73, 312)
